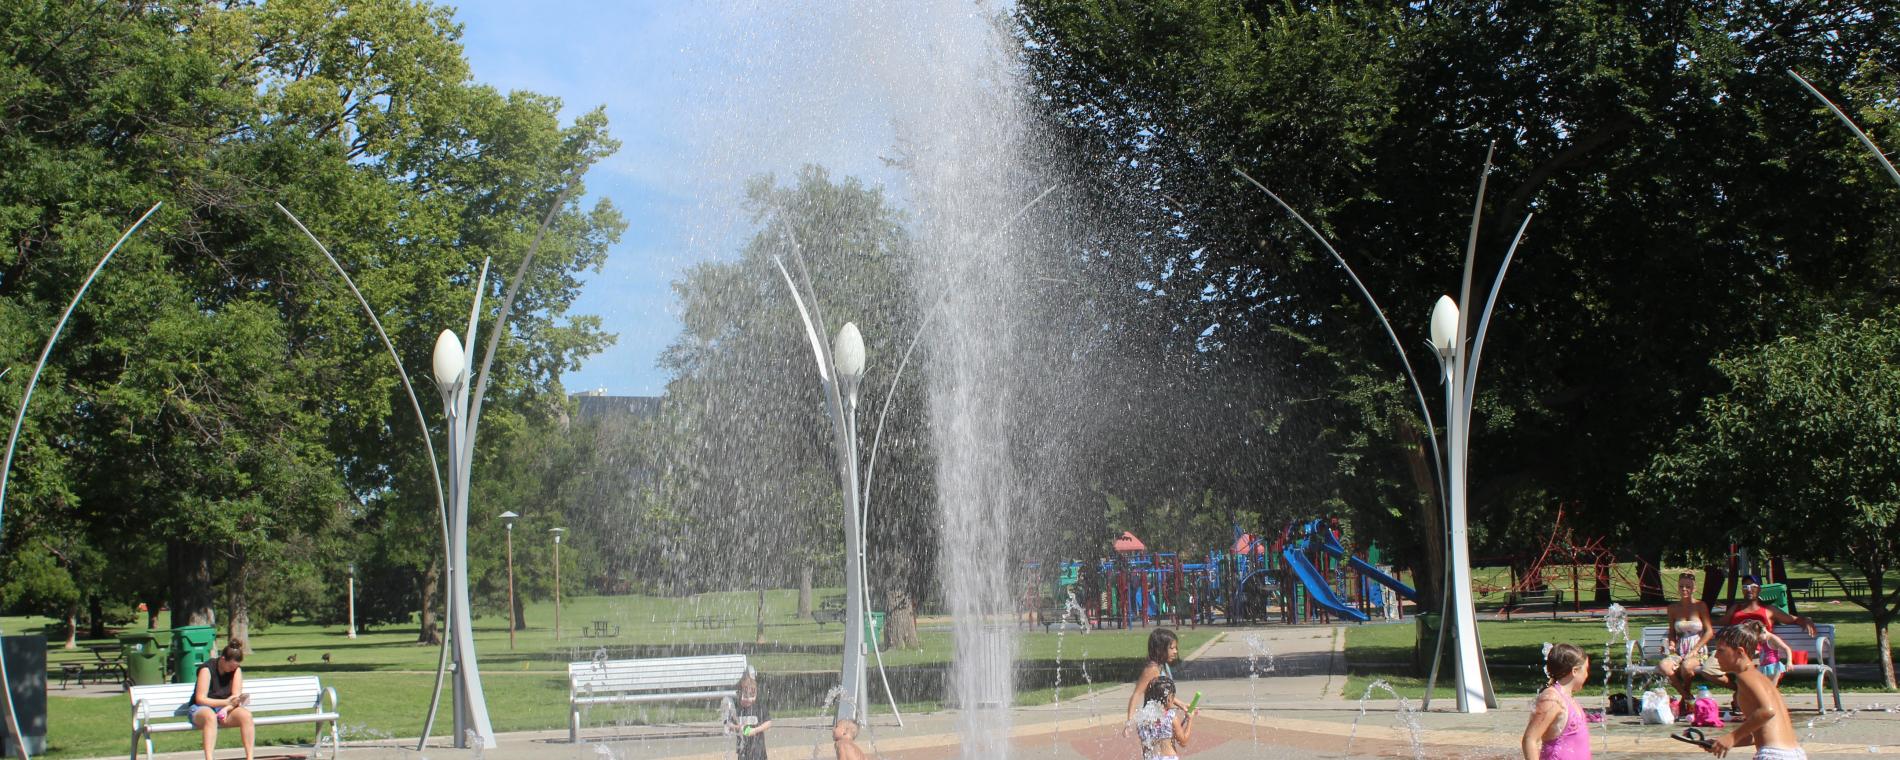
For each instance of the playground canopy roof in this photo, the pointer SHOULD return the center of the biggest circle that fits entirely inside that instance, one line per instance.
(1128, 543)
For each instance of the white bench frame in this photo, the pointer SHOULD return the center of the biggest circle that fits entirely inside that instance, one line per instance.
(600, 682)
(153, 705)
(1820, 648)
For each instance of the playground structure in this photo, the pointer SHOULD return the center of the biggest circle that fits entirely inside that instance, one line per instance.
(1304, 575)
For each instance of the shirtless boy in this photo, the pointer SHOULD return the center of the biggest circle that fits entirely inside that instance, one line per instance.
(1765, 721)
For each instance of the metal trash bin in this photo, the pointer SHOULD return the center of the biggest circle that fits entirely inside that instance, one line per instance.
(26, 672)
(144, 657)
(191, 647)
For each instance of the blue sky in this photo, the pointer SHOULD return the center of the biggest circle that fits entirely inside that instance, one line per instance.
(702, 95)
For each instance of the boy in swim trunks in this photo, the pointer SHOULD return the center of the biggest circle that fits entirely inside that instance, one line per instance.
(1765, 721)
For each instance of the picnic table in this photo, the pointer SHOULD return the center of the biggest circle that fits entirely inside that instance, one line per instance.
(711, 621)
(109, 663)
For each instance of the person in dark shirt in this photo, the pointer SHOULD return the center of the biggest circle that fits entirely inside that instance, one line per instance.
(220, 698)
(751, 720)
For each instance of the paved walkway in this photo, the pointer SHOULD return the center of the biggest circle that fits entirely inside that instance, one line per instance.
(1266, 693)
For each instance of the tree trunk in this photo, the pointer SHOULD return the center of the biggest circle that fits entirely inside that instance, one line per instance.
(430, 632)
(1602, 587)
(900, 622)
(520, 617)
(240, 600)
(1651, 577)
(72, 627)
(804, 591)
(193, 598)
(1885, 643)
(1431, 582)
(96, 617)
(761, 636)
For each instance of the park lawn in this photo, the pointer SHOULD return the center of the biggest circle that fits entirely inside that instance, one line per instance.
(383, 678)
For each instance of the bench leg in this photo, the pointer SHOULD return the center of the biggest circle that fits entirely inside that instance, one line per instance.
(1820, 701)
(336, 741)
(135, 744)
(573, 725)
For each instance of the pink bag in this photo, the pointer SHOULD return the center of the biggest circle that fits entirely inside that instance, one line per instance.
(1707, 714)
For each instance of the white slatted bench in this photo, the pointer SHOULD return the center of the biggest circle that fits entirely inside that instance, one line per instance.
(166, 707)
(601, 682)
(1820, 649)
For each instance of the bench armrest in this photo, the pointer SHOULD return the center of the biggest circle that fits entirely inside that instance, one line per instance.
(329, 693)
(138, 709)
(1825, 649)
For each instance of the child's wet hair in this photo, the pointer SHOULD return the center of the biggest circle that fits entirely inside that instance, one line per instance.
(1563, 660)
(1158, 643)
(1159, 690)
(1746, 636)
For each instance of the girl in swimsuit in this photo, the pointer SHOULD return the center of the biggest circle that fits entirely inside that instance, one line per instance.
(1558, 730)
(1775, 652)
(1689, 632)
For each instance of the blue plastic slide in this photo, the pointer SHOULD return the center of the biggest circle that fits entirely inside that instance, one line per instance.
(1329, 543)
(1317, 588)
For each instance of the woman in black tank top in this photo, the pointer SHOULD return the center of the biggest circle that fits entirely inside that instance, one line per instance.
(219, 700)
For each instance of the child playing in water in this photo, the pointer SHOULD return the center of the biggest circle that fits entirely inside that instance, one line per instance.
(1163, 648)
(1765, 721)
(751, 720)
(1558, 730)
(844, 736)
(1162, 725)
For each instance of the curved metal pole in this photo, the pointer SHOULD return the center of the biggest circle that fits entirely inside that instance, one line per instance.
(13, 440)
(1864, 139)
(1491, 302)
(501, 320)
(1405, 361)
(428, 442)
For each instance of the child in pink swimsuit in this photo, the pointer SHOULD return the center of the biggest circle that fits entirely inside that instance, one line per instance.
(1557, 729)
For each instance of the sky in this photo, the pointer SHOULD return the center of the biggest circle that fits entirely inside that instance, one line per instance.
(702, 96)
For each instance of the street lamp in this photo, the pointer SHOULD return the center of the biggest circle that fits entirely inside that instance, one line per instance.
(508, 519)
(451, 365)
(557, 580)
(352, 600)
(1448, 331)
(847, 359)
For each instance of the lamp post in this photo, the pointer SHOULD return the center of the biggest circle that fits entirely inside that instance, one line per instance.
(1448, 331)
(847, 356)
(451, 366)
(508, 519)
(352, 600)
(557, 580)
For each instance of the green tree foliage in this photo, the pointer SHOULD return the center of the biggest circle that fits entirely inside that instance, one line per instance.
(1689, 202)
(752, 472)
(220, 400)
(1801, 454)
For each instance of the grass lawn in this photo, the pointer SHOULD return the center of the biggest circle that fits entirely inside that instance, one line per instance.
(384, 679)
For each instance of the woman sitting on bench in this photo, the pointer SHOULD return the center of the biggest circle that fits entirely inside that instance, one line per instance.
(219, 700)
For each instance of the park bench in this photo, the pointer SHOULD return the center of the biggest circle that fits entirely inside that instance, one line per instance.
(601, 682)
(830, 610)
(1523, 601)
(1820, 649)
(159, 708)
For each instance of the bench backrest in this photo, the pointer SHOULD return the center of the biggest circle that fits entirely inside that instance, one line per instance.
(267, 695)
(1656, 639)
(719, 671)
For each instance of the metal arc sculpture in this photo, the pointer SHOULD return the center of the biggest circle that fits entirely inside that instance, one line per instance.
(13, 441)
(1475, 693)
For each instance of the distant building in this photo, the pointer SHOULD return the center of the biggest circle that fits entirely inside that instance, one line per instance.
(596, 405)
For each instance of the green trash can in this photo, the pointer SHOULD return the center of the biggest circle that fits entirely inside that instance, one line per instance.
(1426, 626)
(144, 656)
(874, 630)
(191, 647)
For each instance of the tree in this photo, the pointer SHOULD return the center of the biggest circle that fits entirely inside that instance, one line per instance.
(253, 417)
(1799, 454)
(1687, 204)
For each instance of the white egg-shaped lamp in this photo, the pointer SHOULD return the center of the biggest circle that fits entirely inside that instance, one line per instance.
(1445, 326)
(450, 361)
